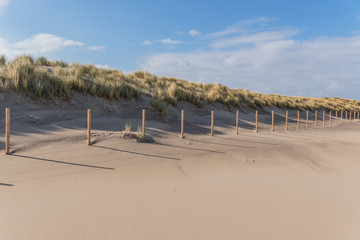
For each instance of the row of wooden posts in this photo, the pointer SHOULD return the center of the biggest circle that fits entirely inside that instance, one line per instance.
(298, 119)
(237, 121)
(7, 123)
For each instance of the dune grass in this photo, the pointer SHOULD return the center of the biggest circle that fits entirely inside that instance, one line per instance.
(45, 79)
(127, 127)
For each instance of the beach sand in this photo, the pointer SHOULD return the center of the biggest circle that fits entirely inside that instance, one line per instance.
(296, 184)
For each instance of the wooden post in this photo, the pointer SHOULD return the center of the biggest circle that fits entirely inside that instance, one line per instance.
(272, 122)
(350, 116)
(212, 122)
(182, 124)
(307, 119)
(315, 118)
(237, 122)
(323, 118)
(336, 117)
(298, 120)
(346, 116)
(89, 126)
(143, 122)
(358, 116)
(7, 131)
(341, 117)
(330, 117)
(286, 121)
(257, 122)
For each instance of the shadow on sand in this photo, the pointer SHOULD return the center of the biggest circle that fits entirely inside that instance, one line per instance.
(61, 162)
(136, 153)
(6, 184)
(222, 144)
(189, 148)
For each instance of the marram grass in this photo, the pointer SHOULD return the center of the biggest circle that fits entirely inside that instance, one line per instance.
(45, 79)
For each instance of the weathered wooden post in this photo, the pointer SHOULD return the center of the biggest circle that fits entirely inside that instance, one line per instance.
(212, 122)
(257, 121)
(315, 118)
(298, 120)
(341, 119)
(237, 122)
(350, 116)
(336, 117)
(307, 119)
(182, 124)
(330, 117)
(7, 131)
(346, 116)
(286, 121)
(89, 126)
(323, 118)
(143, 122)
(272, 121)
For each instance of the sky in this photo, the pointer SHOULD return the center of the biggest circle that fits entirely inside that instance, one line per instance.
(298, 48)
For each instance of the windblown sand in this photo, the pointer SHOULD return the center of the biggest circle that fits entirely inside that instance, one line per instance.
(296, 184)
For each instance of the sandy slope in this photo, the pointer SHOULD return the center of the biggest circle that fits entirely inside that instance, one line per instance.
(299, 184)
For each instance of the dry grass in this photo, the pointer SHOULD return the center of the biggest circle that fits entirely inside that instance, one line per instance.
(127, 127)
(44, 79)
(140, 134)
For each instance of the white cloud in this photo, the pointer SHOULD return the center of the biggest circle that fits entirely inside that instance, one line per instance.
(37, 44)
(241, 27)
(96, 48)
(169, 41)
(270, 61)
(194, 33)
(3, 5)
(254, 38)
(106, 66)
(147, 42)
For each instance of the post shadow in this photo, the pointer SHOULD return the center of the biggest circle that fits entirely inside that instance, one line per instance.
(195, 149)
(6, 184)
(62, 162)
(136, 153)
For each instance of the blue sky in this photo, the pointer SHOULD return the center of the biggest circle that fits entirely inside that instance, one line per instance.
(304, 48)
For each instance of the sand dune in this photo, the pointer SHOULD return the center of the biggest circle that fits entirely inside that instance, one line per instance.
(296, 184)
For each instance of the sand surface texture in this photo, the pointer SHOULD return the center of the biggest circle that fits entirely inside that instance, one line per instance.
(296, 184)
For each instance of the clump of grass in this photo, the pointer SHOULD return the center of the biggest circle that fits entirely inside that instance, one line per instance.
(35, 82)
(179, 93)
(42, 61)
(158, 105)
(2, 60)
(140, 134)
(23, 74)
(58, 63)
(127, 128)
(21, 71)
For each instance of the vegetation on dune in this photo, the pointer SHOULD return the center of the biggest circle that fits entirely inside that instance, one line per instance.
(45, 79)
